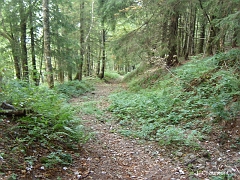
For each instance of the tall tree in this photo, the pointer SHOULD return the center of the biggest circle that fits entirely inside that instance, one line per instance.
(102, 71)
(23, 30)
(47, 53)
(107, 11)
(9, 30)
(172, 38)
(202, 34)
(81, 29)
(33, 51)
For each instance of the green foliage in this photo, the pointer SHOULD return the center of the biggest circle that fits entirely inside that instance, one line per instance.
(135, 73)
(178, 136)
(222, 176)
(13, 177)
(112, 76)
(147, 80)
(56, 158)
(231, 59)
(74, 88)
(90, 108)
(178, 106)
(49, 118)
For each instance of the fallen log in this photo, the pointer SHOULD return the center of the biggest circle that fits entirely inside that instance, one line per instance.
(13, 112)
(9, 110)
(5, 105)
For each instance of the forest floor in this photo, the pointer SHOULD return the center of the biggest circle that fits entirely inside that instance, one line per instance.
(110, 156)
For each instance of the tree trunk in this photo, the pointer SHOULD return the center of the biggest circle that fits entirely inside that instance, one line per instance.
(164, 37)
(60, 65)
(88, 70)
(212, 34)
(80, 63)
(202, 36)
(70, 77)
(34, 64)
(172, 41)
(15, 52)
(180, 36)
(47, 54)
(186, 37)
(190, 31)
(234, 39)
(99, 60)
(210, 42)
(193, 28)
(23, 30)
(101, 75)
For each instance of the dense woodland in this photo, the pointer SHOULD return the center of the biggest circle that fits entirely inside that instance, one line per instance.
(66, 40)
(177, 63)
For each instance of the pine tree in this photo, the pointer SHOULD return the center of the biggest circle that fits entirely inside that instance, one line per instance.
(47, 53)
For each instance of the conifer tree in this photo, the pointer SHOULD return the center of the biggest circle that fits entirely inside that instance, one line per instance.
(47, 53)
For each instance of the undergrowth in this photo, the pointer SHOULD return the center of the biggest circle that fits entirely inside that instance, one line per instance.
(73, 88)
(110, 77)
(179, 107)
(48, 125)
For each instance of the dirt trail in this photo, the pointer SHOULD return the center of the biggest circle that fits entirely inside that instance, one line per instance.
(111, 156)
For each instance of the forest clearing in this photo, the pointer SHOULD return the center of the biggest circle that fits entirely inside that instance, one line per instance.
(120, 89)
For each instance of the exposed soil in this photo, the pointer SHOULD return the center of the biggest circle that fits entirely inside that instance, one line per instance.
(108, 155)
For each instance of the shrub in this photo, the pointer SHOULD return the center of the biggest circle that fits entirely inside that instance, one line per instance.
(112, 76)
(73, 88)
(49, 118)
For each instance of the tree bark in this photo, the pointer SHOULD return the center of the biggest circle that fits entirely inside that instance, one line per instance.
(101, 75)
(16, 59)
(190, 31)
(23, 30)
(70, 77)
(35, 76)
(88, 62)
(47, 53)
(164, 36)
(210, 43)
(172, 41)
(202, 36)
(99, 60)
(81, 58)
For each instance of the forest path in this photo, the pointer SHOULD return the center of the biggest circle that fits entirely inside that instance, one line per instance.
(110, 156)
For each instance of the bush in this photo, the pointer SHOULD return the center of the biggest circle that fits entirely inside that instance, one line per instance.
(73, 88)
(49, 118)
(112, 77)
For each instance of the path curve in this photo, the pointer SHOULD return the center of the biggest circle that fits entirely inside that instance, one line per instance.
(110, 156)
